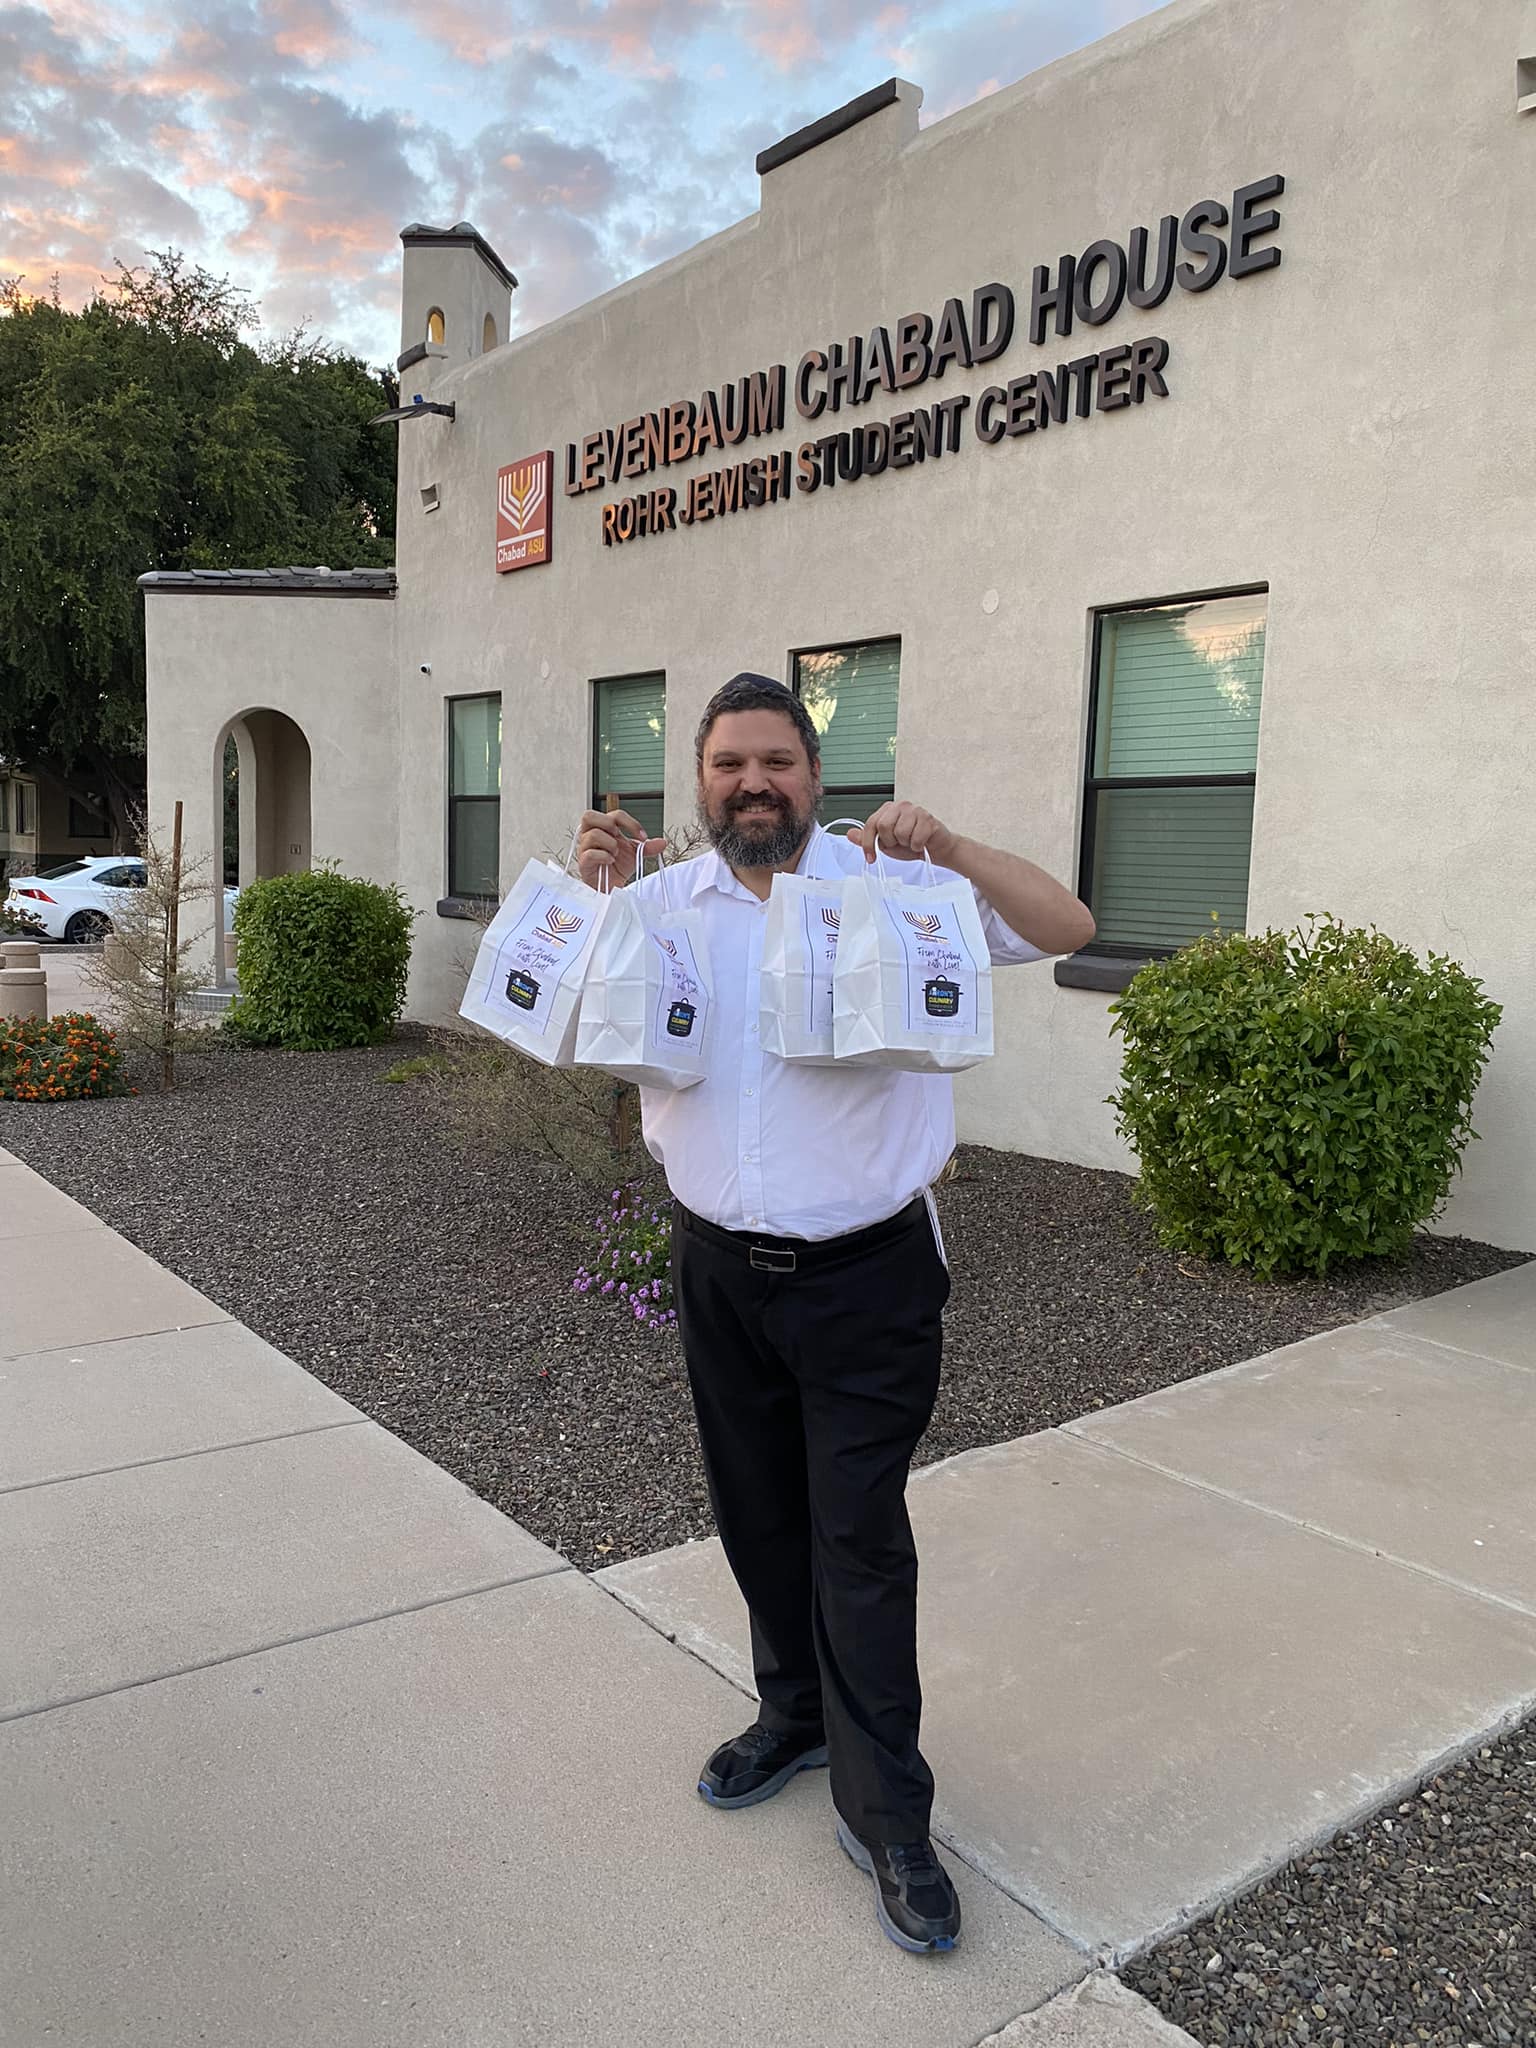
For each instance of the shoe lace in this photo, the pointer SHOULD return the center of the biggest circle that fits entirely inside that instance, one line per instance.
(915, 1860)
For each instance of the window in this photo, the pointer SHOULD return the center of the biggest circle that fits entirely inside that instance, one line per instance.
(629, 751)
(488, 333)
(436, 328)
(130, 876)
(1172, 750)
(26, 808)
(5, 805)
(850, 693)
(474, 796)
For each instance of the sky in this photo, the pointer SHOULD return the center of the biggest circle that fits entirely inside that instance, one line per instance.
(285, 143)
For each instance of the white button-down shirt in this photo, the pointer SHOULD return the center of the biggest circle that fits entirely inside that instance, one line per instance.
(774, 1145)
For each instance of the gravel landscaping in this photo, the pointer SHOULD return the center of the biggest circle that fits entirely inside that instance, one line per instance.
(1417, 1930)
(339, 1218)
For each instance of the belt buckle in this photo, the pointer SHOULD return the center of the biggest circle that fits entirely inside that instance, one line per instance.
(768, 1260)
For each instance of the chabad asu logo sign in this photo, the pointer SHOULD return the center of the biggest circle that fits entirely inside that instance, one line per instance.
(524, 511)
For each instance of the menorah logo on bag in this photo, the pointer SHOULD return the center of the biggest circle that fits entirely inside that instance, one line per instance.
(831, 918)
(668, 946)
(558, 925)
(926, 923)
(524, 508)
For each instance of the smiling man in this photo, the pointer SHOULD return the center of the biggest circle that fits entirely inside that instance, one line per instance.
(810, 1285)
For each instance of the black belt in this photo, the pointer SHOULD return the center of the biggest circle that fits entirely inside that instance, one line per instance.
(797, 1254)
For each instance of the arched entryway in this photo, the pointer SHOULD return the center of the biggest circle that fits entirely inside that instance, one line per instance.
(261, 809)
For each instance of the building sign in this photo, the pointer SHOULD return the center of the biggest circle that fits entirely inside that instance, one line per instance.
(1190, 252)
(524, 511)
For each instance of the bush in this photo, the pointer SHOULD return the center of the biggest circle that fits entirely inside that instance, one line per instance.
(322, 961)
(633, 1259)
(16, 923)
(1297, 1099)
(497, 1100)
(58, 1059)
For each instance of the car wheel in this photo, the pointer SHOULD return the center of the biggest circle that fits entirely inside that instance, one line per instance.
(87, 927)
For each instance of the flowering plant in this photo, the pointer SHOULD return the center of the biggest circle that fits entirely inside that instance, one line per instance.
(58, 1059)
(632, 1264)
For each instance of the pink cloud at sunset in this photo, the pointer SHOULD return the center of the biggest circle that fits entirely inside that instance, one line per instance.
(285, 142)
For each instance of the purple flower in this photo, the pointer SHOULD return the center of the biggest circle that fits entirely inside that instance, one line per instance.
(607, 1287)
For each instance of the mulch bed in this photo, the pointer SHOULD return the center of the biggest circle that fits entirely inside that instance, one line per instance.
(1417, 1930)
(342, 1220)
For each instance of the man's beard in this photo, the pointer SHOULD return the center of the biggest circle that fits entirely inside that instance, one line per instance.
(757, 846)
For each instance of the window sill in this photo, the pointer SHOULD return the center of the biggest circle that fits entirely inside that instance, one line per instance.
(1100, 971)
(473, 909)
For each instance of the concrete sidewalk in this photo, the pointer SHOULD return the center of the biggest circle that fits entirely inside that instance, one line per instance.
(307, 1744)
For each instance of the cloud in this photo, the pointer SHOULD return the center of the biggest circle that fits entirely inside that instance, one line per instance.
(287, 141)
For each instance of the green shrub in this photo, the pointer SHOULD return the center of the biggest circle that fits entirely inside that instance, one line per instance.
(59, 1059)
(322, 961)
(1296, 1099)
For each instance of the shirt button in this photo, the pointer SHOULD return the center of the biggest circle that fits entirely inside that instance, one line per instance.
(754, 1031)
(748, 1091)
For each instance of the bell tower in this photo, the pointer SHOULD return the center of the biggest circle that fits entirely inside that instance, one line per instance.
(455, 299)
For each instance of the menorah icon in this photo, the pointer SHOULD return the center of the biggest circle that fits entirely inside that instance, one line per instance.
(521, 494)
(925, 922)
(558, 924)
(831, 918)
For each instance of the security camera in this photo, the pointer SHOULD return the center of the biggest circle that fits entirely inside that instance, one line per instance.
(426, 668)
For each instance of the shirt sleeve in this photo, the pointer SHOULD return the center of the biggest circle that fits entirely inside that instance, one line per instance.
(1004, 945)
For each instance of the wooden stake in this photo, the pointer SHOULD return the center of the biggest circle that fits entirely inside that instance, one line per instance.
(168, 982)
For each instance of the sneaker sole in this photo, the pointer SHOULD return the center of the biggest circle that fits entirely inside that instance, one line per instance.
(812, 1760)
(855, 1849)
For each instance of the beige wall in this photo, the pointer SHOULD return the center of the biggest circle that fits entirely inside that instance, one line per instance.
(1348, 429)
(326, 664)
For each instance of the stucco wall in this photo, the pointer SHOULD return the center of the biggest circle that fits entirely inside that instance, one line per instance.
(327, 663)
(1350, 429)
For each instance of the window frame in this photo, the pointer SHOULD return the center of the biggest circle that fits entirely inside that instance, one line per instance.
(599, 794)
(858, 791)
(1094, 785)
(456, 894)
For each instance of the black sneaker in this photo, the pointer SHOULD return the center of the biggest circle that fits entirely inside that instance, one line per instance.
(914, 1900)
(757, 1763)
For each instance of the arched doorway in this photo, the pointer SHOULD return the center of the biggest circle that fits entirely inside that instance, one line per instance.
(261, 804)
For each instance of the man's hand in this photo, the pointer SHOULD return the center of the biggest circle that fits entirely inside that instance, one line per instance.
(906, 833)
(610, 839)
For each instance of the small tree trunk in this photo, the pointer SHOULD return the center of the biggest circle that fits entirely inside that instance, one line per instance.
(168, 1006)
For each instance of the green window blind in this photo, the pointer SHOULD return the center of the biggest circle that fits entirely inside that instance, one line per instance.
(1177, 707)
(630, 751)
(474, 796)
(851, 695)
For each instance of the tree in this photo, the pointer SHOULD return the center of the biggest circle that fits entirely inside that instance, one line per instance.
(147, 432)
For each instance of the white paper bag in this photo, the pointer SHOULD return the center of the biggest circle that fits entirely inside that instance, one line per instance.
(799, 955)
(645, 1005)
(913, 982)
(525, 985)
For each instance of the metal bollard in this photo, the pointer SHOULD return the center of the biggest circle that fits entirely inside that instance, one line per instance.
(23, 983)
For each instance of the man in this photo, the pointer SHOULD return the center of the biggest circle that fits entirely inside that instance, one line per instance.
(809, 1284)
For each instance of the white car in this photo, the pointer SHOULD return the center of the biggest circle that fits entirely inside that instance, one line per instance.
(75, 901)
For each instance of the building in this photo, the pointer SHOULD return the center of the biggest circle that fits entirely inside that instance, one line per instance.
(43, 824)
(1137, 467)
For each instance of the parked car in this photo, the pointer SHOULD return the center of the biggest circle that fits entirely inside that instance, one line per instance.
(75, 901)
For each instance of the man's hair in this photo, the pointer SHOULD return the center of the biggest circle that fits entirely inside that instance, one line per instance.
(748, 692)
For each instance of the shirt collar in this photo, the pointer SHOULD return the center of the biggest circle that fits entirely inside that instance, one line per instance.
(711, 872)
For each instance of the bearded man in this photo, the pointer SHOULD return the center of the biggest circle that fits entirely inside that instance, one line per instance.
(810, 1284)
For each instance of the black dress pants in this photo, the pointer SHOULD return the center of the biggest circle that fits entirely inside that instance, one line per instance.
(812, 1388)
